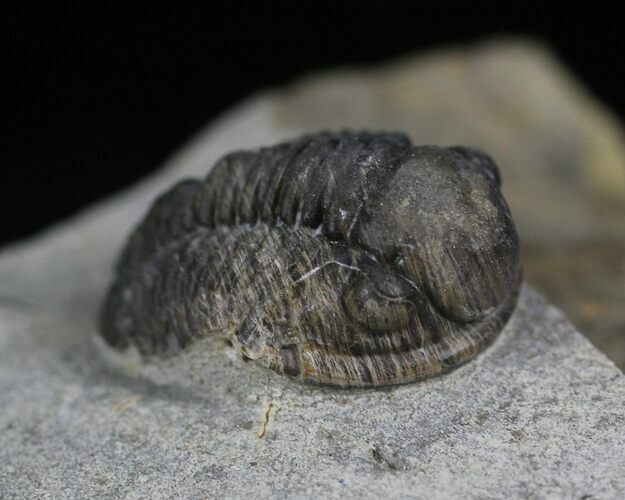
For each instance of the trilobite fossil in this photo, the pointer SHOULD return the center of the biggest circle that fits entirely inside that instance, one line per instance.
(351, 259)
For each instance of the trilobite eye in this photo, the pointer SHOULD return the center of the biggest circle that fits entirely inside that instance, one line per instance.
(380, 305)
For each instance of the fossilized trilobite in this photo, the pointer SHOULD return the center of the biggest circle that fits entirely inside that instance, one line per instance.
(350, 259)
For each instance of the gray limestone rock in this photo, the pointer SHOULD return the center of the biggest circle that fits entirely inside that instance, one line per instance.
(540, 414)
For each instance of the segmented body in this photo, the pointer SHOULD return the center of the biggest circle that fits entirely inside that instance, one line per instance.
(350, 259)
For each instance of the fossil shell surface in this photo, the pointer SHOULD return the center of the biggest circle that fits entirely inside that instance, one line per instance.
(351, 259)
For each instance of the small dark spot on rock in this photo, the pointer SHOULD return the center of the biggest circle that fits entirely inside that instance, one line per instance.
(379, 457)
(518, 435)
(481, 416)
(247, 425)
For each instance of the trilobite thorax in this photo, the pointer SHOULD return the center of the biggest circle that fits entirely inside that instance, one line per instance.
(349, 259)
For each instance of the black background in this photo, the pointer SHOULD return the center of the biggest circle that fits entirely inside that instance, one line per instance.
(97, 97)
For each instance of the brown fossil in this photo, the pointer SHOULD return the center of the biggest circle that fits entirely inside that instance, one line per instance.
(351, 259)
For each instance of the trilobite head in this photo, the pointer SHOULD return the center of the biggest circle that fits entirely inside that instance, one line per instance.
(349, 259)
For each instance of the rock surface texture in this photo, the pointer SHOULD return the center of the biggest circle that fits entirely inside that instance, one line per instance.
(541, 413)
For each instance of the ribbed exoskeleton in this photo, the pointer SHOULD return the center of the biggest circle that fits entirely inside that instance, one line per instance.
(342, 258)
